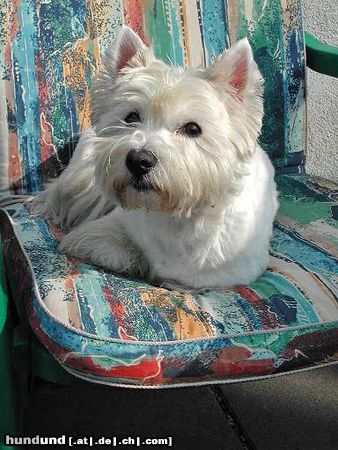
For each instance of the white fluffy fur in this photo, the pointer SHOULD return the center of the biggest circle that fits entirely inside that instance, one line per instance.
(208, 218)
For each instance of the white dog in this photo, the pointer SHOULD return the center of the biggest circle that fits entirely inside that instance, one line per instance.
(176, 150)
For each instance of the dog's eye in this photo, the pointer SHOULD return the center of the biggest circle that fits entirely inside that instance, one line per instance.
(191, 129)
(132, 117)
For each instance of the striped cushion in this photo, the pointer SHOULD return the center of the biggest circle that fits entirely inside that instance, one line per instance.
(49, 50)
(111, 329)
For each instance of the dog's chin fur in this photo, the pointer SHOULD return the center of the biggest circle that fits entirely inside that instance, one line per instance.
(202, 216)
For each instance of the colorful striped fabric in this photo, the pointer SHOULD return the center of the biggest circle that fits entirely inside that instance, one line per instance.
(110, 329)
(50, 49)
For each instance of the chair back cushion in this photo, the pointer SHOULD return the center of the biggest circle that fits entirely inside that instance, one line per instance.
(49, 50)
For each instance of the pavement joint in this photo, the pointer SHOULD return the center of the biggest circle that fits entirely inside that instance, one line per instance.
(232, 418)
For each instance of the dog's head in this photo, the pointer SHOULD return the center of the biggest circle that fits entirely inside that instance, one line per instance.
(169, 139)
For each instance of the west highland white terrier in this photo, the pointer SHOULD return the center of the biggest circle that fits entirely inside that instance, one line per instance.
(176, 151)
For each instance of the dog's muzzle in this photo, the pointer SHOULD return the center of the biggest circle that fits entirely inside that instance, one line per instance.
(140, 162)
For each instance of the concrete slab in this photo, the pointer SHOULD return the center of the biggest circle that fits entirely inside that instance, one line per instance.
(298, 412)
(192, 416)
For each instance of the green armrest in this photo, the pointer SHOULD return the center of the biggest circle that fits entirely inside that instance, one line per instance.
(321, 57)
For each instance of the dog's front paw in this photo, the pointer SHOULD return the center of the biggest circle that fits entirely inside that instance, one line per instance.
(34, 204)
(44, 205)
(29, 204)
(91, 242)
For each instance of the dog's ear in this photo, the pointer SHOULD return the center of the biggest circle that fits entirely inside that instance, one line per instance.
(127, 49)
(235, 73)
(236, 67)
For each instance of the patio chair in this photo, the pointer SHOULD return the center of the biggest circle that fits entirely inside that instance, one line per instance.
(61, 317)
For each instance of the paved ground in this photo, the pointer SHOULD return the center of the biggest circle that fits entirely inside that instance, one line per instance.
(296, 412)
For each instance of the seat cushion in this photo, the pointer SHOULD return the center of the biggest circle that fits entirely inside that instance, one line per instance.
(107, 328)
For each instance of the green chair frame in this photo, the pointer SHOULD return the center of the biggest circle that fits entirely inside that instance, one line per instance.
(23, 358)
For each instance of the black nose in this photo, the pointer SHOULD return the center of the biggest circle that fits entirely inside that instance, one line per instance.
(140, 162)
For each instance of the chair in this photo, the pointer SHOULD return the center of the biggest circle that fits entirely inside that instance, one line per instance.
(144, 336)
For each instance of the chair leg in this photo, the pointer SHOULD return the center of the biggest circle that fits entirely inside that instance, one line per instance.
(8, 402)
(9, 411)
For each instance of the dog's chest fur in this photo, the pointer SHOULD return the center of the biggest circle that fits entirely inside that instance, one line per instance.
(208, 244)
